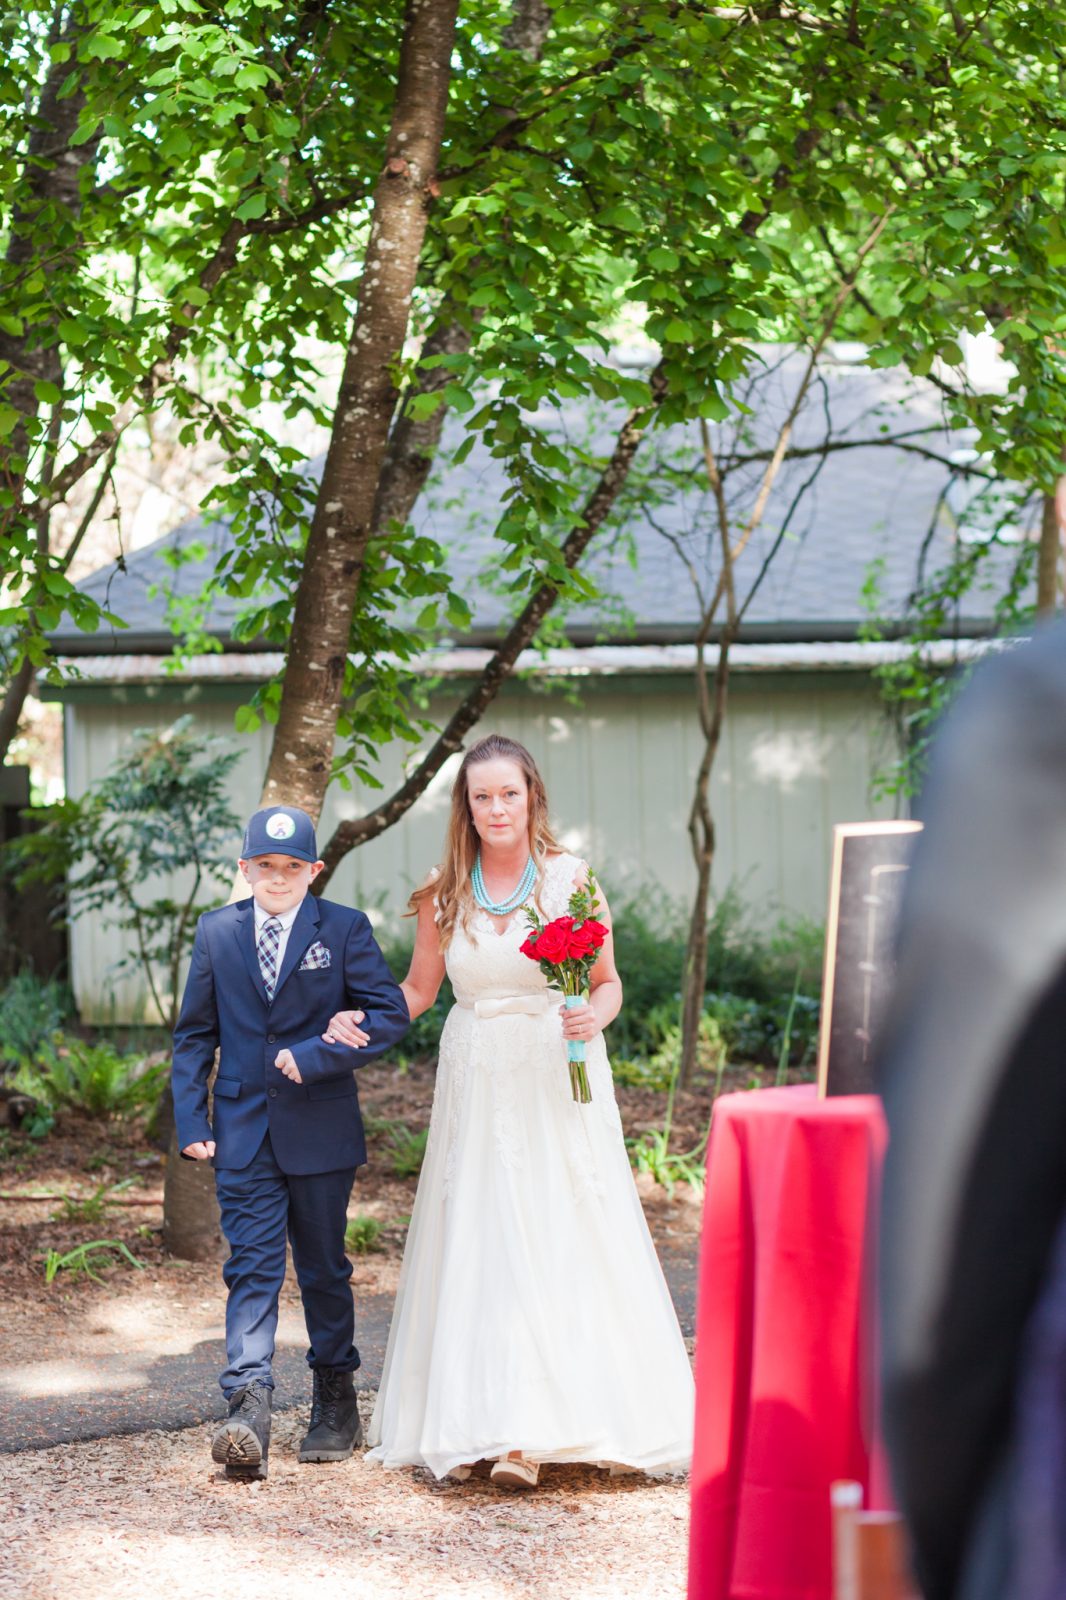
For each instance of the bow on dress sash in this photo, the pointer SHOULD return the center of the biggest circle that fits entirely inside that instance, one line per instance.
(508, 1005)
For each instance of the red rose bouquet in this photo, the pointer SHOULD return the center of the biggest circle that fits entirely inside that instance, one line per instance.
(566, 950)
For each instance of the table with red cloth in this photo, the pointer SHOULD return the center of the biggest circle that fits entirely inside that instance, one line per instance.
(785, 1357)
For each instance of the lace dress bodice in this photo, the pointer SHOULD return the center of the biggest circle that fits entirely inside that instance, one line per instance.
(484, 963)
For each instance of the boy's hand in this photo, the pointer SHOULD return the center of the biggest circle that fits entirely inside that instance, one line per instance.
(285, 1062)
(203, 1150)
(342, 1029)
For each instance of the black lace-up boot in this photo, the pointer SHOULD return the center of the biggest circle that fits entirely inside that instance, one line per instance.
(242, 1442)
(335, 1427)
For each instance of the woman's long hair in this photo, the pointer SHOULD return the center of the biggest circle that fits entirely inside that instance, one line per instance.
(450, 885)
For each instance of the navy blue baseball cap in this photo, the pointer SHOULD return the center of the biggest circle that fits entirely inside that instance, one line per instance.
(280, 830)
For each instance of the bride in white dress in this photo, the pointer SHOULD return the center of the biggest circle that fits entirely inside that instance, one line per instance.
(533, 1323)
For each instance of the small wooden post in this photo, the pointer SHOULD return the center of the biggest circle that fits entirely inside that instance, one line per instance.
(869, 1550)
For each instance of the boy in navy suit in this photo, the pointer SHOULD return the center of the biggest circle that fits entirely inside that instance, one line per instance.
(266, 976)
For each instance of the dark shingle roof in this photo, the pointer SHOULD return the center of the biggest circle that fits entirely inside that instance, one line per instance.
(862, 503)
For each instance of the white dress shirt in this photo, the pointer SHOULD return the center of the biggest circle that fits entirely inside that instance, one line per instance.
(286, 918)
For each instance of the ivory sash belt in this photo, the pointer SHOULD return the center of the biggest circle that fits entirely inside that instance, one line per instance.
(508, 1005)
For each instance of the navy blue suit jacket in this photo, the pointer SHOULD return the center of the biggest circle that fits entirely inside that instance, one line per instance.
(315, 1126)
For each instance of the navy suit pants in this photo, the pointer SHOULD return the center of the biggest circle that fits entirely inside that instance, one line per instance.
(261, 1207)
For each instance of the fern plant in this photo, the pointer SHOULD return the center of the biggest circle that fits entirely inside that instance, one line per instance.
(406, 1149)
(362, 1235)
(70, 1074)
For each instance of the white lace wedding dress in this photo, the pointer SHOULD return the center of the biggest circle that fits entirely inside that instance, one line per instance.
(532, 1311)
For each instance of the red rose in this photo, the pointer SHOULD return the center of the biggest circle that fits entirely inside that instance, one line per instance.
(529, 948)
(585, 938)
(553, 942)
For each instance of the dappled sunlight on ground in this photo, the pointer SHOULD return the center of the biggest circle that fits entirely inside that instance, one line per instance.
(44, 1378)
(144, 1321)
(141, 1320)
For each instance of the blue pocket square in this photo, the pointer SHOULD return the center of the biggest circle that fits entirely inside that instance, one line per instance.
(316, 958)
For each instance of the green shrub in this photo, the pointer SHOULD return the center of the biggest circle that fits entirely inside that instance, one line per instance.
(657, 1070)
(69, 1074)
(161, 810)
(421, 1042)
(754, 1030)
(361, 1235)
(650, 1152)
(755, 963)
(31, 1010)
(752, 978)
(638, 1072)
(649, 947)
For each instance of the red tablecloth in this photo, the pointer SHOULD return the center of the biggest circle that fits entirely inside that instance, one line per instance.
(785, 1398)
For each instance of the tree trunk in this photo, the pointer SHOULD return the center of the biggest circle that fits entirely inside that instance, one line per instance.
(52, 175)
(192, 1229)
(14, 699)
(1049, 584)
(413, 445)
(302, 751)
(344, 518)
(712, 710)
(528, 27)
(695, 970)
(594, 513)
(702, 835)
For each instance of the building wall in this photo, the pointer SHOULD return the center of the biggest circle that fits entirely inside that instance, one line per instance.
(798, 754)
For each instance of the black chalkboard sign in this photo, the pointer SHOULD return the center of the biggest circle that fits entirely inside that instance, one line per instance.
(865, 885)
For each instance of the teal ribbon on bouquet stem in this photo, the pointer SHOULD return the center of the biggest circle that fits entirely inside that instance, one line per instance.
(575, 1055)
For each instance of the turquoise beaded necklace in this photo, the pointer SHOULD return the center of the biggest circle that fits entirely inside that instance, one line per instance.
(503, 908)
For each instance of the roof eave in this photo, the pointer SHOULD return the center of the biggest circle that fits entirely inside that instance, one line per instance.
(128, 642)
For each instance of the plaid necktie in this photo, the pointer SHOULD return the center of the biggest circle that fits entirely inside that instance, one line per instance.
(267, 951)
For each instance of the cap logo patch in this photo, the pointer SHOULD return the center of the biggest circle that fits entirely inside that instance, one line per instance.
(279, 826)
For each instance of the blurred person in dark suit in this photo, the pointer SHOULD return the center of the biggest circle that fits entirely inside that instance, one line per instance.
(972, 1068)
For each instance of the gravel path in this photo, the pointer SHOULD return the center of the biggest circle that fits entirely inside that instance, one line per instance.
(116, 1519)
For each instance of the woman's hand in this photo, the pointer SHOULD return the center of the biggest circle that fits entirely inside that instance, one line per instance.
(343, 1029)
(579, 1022)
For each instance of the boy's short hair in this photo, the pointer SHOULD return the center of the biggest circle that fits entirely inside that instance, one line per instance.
(280, 830)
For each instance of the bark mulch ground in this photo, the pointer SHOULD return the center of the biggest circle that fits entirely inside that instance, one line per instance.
(116, 1519)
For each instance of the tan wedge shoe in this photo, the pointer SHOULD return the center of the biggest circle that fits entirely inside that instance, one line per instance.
(515, 1472)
